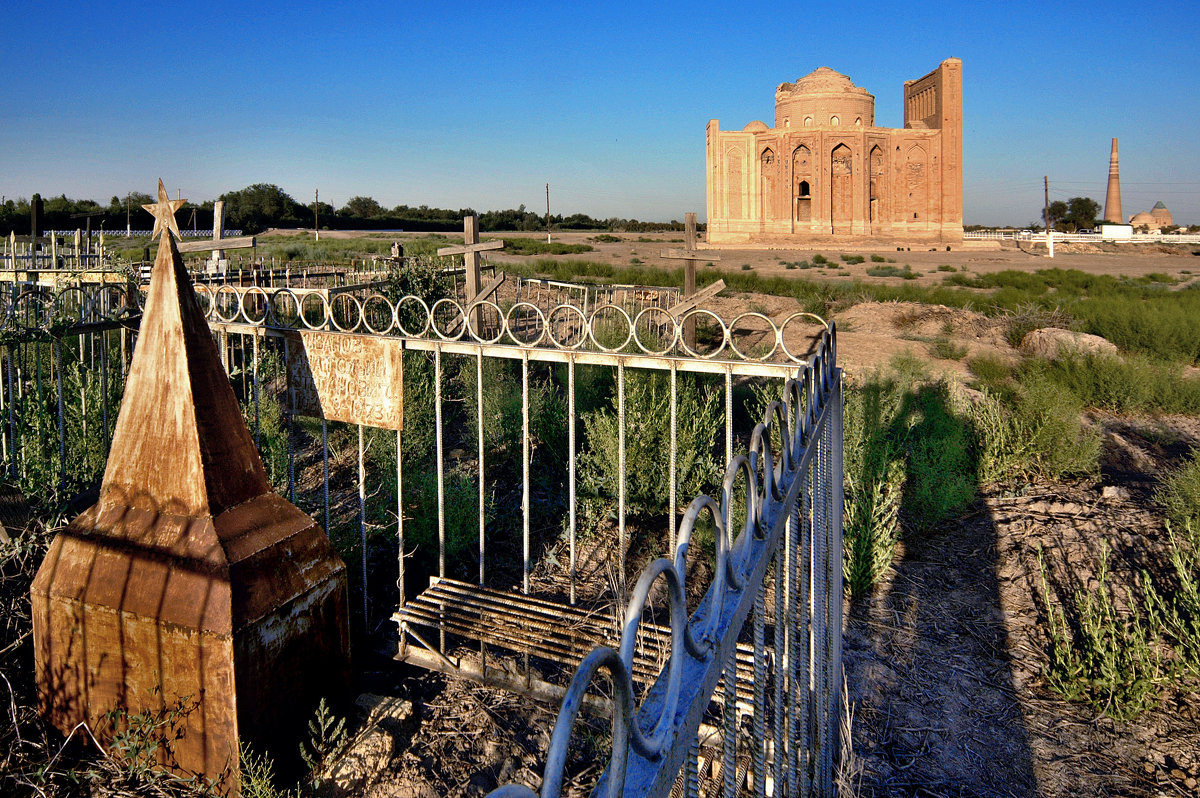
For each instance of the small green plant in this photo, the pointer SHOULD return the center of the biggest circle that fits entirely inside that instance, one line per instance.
(745, 267)
(852, 259)
(991, 371)
(1112, 659)
(605, 238)
(945, 349)
(878, 259)
(635, 261)
(1179, 494)
(820, 259)
(789, 266)
(326, 741)
(945, 267)
(891, 271)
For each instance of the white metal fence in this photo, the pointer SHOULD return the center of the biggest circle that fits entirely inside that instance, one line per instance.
(738, 692)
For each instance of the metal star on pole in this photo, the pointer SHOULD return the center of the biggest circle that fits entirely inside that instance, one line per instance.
(164, 212)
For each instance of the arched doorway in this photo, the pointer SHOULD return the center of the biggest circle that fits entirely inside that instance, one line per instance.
(801, 192)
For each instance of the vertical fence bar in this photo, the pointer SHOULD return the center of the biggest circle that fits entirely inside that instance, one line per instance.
(621, 481)
(441, 474)
(479, 452)
(362, 523)
(671, 524)
(758, 743)
(778, 718)
(571, 464)
(56, 367)
(104, 389)
(729, 726)
(400, 530)
(254, 385)
(12, 421)
(525, 568)
(728, 413)
(691, 775)
(325, 469)
(289, 426)
(795, 652)
(837, 588)
(810, 631)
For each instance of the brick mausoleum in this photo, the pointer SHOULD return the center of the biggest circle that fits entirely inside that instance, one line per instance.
(825, 172)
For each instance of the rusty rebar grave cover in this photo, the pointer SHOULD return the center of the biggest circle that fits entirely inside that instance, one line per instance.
(190, 585)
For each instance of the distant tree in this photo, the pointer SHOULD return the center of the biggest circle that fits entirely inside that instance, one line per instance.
(1057, 210)
(1082, 212)
(362, 208)
(259, 206)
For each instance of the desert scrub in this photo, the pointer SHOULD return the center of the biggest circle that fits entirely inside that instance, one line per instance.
(1109, 658)
(647, 439)
(1179, 494)
(1034, 430)
(534, 246)
(852, 259)
(1128, 384)
(945, 349)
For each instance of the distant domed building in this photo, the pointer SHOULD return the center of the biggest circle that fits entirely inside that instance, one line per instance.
(825, 172)
(1153, 220)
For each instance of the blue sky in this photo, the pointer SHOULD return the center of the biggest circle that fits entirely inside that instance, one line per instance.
(465, 105)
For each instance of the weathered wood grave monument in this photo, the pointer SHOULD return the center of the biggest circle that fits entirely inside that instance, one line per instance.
(190, 584)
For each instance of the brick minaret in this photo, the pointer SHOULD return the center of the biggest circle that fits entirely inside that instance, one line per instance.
(1112, 200)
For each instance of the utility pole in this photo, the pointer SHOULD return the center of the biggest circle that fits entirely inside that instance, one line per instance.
(317, 213)
(1046, 212)
(1049, 232)
(547, 213)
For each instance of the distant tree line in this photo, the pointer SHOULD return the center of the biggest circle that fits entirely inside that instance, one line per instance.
(263, 205)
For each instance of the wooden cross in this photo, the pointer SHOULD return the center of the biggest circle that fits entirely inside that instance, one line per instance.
(689, 256)
(470, 251)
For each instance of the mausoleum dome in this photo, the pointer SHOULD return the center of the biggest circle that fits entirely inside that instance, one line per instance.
(1143, 219)
(823, 98)
(1162, 216)
(756, 126)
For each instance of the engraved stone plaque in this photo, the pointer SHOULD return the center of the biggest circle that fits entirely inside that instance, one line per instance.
(349, 378)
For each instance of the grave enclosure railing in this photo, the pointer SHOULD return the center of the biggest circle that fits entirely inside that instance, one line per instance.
(740, 691)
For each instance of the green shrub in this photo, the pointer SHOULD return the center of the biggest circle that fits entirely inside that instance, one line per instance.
(852, 259)
(945, 267)
(878, 259)
(1130, 384)
(745, 267)
(535, 246)
(1112, 659)
(647, 437)
(819, 258)
(945, 349)
(1179, 494)
(605, 238)
(1039, 434)
(991, 371)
